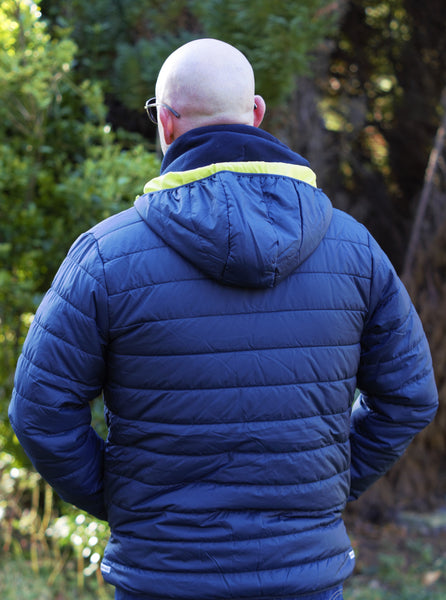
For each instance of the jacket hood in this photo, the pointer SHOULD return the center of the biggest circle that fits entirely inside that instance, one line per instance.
(248, 223)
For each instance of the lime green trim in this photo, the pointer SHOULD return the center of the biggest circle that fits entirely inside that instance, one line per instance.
(177, 178)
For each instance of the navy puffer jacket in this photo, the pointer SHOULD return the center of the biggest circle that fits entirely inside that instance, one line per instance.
(228, 318)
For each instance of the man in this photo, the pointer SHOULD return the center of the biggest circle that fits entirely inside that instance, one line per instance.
(228, 318)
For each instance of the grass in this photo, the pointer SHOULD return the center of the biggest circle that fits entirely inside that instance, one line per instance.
(397, 562)
(19, 582)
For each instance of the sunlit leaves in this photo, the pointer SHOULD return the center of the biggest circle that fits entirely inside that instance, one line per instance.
(62, 169)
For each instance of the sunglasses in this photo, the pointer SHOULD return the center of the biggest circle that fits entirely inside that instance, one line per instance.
(152, 113)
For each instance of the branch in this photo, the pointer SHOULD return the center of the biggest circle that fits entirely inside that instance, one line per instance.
(432, 165)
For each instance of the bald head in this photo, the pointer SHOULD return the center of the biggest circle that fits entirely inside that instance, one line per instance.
(207, 82)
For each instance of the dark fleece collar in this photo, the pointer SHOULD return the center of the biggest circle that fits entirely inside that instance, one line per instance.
(226, 143)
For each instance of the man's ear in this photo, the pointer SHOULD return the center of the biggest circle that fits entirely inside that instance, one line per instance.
(259, 110)
(165, 126)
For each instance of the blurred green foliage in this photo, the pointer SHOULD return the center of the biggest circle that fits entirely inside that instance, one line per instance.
(279, 43)
(278, 39)
(62, 169)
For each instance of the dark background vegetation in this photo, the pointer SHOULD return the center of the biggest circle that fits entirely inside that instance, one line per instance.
(356, 86)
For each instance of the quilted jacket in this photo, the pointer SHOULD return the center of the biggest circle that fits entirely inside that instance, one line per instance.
(227, 318)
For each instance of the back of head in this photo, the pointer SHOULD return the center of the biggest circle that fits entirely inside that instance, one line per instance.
(208, 82)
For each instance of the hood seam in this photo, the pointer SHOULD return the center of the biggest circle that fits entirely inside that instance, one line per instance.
(273, 227)
(228, 237)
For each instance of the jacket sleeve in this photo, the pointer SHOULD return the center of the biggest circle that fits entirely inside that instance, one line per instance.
(61, 369)
(398, 395)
